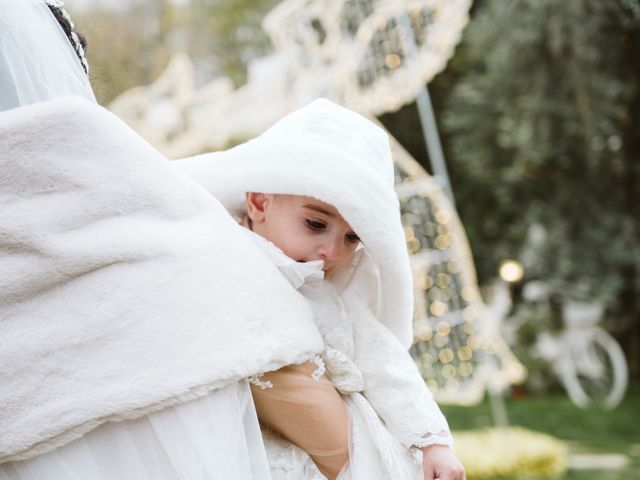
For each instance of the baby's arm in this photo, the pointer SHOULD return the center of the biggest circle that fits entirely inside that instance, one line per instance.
(397, 392)
(308, 412)
(394, 387)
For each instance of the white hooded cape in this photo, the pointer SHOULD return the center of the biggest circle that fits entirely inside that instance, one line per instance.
(333, 154)
(124, 286)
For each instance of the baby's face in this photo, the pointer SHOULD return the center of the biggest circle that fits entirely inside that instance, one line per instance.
(303, 228)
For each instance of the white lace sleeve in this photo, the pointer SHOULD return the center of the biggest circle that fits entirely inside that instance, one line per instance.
(394, 387)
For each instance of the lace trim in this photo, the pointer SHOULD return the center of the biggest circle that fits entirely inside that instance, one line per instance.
(442, 438)
(257, 381)
(288, 461)
(319, 372)
(343, 372)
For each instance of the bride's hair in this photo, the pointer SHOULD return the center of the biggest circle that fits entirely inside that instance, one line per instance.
(77, 40)
(41, 54)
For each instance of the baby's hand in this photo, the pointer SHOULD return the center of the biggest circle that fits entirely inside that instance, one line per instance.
(439, 462)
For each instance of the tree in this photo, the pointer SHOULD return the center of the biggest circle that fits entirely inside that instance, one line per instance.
(541, 118)
(123, 51)
(220, 36)
(227, 34)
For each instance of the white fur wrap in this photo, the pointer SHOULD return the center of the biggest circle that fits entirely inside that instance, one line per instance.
(124, 286)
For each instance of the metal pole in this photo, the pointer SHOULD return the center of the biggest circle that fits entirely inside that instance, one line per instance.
(432, 139)
(428, 119)
(498, 407)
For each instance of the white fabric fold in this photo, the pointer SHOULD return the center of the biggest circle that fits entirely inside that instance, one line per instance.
(209, 438)
(296, 273)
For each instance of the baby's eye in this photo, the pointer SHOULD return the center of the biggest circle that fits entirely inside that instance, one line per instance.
(352, 238)
(314, 224)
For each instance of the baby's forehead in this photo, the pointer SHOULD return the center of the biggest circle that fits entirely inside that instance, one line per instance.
(306, 202)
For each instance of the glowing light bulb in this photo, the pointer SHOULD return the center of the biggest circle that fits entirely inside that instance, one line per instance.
(511, 271)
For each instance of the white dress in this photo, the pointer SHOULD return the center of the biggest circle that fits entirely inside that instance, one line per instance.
(391, 411)
(216, 437)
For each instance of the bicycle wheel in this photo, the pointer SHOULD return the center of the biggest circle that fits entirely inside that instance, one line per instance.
(599, 373)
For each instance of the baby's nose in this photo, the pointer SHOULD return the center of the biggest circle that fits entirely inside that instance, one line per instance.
(331, 249)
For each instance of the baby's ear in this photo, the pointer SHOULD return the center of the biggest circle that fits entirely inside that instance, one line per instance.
(256, 203)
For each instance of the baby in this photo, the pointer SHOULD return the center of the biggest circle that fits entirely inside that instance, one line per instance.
(300, 402)
(317, 195)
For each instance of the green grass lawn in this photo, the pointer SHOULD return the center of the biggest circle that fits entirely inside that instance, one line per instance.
(592, 430)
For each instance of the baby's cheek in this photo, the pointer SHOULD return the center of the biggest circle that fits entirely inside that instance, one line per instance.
(343, 263)
(294, 251)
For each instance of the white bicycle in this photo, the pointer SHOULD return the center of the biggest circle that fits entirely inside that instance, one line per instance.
(588, 361)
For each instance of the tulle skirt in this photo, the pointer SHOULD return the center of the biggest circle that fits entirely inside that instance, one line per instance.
(215, 437)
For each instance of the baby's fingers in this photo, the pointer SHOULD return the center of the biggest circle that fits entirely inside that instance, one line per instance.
(451, 473)
(440, 463)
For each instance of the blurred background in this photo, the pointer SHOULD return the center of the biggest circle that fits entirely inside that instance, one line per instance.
(516, 131)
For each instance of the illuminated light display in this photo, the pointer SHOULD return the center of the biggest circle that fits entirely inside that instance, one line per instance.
(372, 56)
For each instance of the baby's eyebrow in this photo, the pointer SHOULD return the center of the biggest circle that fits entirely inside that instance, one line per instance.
(319, 209)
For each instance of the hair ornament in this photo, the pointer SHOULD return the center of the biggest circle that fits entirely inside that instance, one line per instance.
(54, 3)
(59, 4)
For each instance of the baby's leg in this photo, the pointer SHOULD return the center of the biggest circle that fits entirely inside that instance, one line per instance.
(307, 412)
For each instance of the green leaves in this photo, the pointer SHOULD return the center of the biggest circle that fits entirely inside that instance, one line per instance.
(537, 126)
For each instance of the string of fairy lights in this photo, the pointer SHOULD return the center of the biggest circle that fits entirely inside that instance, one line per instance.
(456, 345)
(379, 54)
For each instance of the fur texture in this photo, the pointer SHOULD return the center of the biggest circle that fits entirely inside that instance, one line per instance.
(124, 286)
